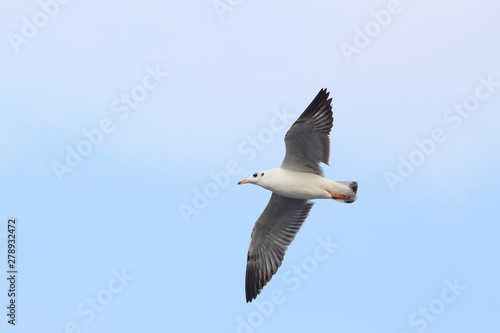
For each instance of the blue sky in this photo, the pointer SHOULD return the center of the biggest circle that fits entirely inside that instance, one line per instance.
(126, 126)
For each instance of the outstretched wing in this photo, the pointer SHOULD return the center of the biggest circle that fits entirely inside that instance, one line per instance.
(272, 234)
(308, 140)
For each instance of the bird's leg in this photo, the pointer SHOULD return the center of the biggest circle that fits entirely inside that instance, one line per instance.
(337, 196)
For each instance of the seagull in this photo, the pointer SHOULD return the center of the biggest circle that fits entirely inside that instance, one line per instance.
(298, 180)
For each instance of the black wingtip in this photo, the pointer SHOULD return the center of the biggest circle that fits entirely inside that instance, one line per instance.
(321, 100)
(250, 299)
(252, 289)
(322, 95)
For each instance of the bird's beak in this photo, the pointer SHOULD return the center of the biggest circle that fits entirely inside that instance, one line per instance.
(244, 182)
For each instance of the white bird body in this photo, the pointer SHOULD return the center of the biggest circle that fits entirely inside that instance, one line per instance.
(302, 185)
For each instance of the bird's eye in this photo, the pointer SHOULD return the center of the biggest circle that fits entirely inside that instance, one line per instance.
(255, 175)
(262, 174)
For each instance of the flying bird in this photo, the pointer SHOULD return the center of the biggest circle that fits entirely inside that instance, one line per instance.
(298, 179)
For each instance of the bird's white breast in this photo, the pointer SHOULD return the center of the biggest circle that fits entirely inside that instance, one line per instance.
(298, 185)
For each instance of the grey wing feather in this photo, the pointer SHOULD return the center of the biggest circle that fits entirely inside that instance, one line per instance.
(308, 140)
(273, 232)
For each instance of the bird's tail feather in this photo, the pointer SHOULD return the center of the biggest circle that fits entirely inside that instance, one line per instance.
(354, 189)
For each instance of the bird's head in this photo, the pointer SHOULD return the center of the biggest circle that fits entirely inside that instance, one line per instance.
(256, 178)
